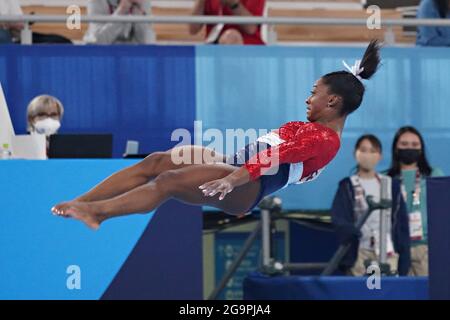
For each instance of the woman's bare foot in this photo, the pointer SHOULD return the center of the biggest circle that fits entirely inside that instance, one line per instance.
(61, 208)
(85, 212)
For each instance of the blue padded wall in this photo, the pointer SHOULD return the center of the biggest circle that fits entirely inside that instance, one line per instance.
(135, 92)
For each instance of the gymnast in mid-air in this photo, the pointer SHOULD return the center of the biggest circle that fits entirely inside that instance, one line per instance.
(295, 153)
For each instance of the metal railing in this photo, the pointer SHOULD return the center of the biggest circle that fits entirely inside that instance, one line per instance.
(226, 20)
(151, 19)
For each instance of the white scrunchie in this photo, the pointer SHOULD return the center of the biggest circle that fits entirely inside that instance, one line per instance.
(355, 69)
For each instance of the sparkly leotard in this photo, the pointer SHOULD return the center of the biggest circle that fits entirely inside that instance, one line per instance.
(298, 153)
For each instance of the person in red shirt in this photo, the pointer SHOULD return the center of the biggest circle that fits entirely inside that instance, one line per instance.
(295, 153)
(230, 34)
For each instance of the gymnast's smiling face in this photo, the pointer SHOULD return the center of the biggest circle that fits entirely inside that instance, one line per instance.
(321, 105)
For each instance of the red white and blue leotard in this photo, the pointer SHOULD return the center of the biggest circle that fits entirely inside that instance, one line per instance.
(307, 146)
(301, 149)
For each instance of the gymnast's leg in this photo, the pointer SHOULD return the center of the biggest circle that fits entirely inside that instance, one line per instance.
(141, 172)
(181, 184)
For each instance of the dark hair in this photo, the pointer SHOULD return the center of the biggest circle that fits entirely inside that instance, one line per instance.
(424, 167)
(348, 86)
(442, 7)
(374, 141)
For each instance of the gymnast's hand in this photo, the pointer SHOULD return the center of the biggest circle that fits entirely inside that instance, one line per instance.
(226, 184)
(222, 186)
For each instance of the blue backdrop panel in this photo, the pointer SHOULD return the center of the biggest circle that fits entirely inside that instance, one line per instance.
(145, 92)
(438, 203)
(261, 287)
(264, 87)
(310, 245)
(166, 263)
(36, 248)
(135, 92)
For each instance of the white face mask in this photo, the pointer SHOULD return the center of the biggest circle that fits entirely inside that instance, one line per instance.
(367, 160)
(47, 126)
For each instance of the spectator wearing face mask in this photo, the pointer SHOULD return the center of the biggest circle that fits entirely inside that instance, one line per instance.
(350, 203)
(44, 114)
(409, 164)
(119, 33)
(249, 34)
(10, 31)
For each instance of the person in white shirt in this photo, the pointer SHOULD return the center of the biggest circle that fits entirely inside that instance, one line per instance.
(10, 32)
(350, 203)
(116, 33)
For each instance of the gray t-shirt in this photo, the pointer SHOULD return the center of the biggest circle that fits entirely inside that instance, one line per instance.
(371, 229)
(116, 33)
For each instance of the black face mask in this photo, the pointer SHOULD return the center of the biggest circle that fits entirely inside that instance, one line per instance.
(409, 156)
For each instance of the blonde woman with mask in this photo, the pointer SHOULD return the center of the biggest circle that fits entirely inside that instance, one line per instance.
(44, 115)
(350, 203)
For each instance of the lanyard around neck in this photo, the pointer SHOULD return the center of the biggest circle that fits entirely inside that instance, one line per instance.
(417, 188)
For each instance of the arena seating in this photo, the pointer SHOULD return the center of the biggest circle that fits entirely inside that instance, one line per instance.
(178, 33)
